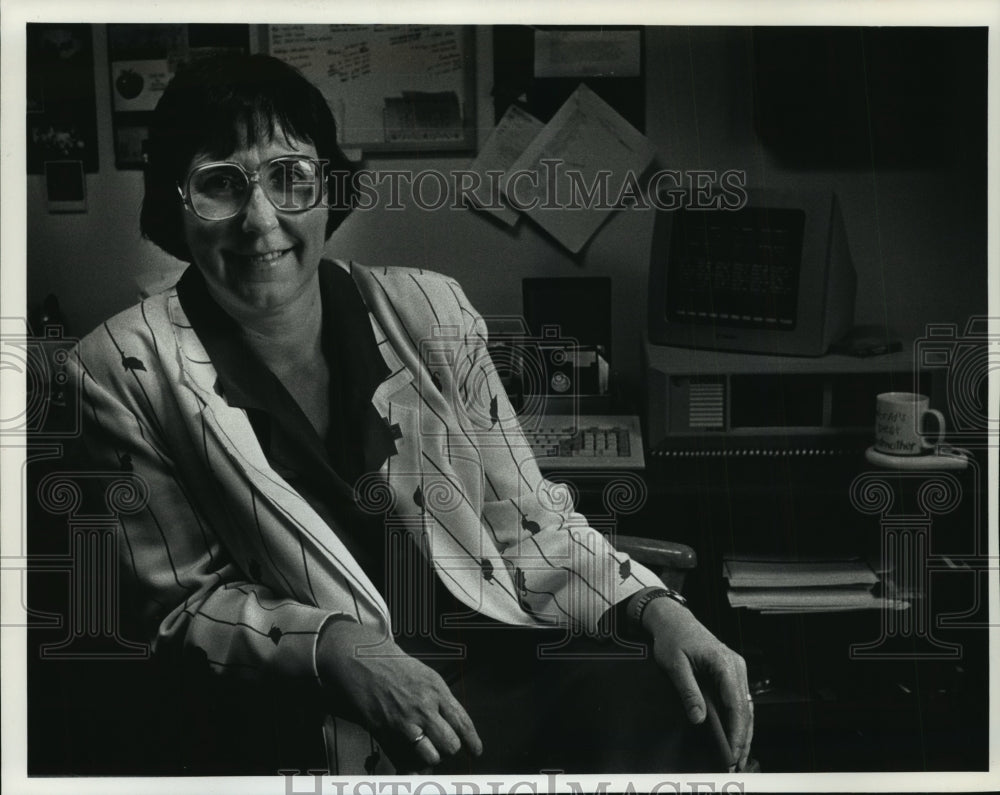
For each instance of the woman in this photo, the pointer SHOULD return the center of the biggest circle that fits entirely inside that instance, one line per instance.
(324, 447)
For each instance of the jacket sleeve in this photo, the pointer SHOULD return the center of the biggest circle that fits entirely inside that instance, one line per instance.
(190, 597)
(564, 569)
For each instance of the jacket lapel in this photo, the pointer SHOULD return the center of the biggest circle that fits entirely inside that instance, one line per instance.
(436, 475)
(230, 429)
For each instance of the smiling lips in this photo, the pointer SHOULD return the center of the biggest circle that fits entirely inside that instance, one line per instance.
(267, 258)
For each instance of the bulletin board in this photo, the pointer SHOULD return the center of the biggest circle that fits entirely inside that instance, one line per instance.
(392, 88)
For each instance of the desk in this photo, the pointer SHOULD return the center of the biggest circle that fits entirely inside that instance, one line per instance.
(846, 691)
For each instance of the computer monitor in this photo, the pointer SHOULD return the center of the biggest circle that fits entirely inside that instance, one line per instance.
(773, 277)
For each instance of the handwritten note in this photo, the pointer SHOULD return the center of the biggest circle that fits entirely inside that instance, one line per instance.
(367, 72)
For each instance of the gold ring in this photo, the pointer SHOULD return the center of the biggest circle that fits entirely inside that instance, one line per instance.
(418, 738)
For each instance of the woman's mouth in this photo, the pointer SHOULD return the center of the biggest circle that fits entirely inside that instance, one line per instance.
(260, 259)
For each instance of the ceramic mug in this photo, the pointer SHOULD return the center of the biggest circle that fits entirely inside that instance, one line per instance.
(899, 424)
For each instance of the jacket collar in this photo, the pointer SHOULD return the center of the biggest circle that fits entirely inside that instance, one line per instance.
(244, 379)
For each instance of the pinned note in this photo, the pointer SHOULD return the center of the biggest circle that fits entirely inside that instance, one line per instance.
(513, 134)
(583, 165)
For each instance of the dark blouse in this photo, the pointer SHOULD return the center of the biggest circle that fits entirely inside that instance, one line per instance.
(359, 441)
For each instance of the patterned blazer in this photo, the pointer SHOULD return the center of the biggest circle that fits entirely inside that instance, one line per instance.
(232, 563)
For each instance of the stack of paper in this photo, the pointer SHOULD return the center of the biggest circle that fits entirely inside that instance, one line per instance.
(805, 586)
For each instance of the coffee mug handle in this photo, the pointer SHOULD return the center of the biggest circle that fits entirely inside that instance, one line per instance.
(940, 430)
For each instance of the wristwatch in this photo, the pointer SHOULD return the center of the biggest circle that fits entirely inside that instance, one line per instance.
(638, 604)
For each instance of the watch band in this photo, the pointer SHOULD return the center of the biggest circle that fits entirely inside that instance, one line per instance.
(637, 606)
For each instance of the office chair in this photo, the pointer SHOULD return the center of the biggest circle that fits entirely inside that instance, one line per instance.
(669, 560)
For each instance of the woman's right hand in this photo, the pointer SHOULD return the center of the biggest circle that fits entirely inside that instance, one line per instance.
(395, 696)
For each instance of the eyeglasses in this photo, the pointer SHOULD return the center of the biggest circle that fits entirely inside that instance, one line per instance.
(217, 191)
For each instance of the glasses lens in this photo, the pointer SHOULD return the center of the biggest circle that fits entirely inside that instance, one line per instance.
(293, 184)
(218, 191)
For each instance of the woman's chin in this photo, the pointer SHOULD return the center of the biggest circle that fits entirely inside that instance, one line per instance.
(265, 299)
(268, 297)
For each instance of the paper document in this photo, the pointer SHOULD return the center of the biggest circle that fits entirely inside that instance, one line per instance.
(513, 134)
(811, 600)
(577, 169)
(588, 53)
(805, 586)
(790, 574)
(876, 604)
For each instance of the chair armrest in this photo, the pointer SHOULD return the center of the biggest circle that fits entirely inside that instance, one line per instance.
(654, 552)
(668, 560)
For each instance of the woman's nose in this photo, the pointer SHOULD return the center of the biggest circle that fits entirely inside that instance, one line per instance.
(260, 215)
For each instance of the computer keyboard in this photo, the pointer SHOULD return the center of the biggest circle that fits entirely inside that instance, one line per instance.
(587, 442)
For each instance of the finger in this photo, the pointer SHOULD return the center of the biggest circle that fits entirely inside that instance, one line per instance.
(440, 733)
(739, 729)
(459, 719)
(735, 691)
(745, 759)
(718, 735)
(421, 747)
(688, 690)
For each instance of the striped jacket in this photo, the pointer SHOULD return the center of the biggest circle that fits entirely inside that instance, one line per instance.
(231, 562)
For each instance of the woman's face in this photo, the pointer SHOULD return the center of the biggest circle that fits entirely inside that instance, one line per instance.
(263, 260)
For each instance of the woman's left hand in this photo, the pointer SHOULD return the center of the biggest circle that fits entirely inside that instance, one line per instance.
(690, 655)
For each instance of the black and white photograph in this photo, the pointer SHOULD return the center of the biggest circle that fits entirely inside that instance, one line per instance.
(487, 398)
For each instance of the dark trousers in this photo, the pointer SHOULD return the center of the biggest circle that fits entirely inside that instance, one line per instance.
(584, 709)
(543, 701)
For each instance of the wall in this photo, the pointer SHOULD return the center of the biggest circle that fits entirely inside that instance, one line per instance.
(918, 237)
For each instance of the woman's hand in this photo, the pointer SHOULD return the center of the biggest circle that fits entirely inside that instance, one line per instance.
(689, 653)
(396, 697)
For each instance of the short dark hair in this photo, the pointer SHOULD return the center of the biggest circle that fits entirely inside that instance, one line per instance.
(207, 107)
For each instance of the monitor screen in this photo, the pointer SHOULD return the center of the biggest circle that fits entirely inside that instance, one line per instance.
(773, 277)
(738, 267)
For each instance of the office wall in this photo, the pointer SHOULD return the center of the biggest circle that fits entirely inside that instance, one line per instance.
(917, 236)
